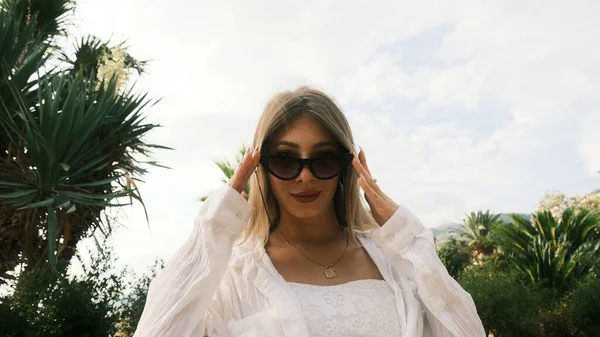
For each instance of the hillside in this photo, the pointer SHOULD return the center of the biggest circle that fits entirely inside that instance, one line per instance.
(446, 231)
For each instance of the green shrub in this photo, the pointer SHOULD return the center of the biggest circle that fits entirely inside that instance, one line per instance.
(585, 306)
(455, 255)
(49, 303)
(100, 302)
(507, 305)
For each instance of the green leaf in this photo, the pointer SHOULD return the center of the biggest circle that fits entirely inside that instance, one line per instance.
(18, 194)
(45, 203)
(100, 182)
(12, 184)
(65, 167)
(72, 209)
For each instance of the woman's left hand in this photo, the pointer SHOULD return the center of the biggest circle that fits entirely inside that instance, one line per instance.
(382, 206)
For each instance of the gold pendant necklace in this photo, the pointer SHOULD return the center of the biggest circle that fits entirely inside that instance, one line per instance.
(330, 271)
(329, 268)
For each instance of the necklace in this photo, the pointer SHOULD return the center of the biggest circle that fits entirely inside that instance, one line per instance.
(329, 268)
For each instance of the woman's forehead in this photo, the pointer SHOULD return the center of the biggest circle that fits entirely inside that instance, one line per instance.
(304, 131)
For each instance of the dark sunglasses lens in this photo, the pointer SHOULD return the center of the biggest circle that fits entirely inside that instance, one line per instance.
(327, 167)
(284, 167)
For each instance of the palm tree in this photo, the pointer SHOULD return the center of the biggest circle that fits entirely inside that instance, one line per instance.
(71, 141)
(549, 251)
(228, 168)
(477, 231)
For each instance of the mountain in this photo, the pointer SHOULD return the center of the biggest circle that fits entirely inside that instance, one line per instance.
(447, 231)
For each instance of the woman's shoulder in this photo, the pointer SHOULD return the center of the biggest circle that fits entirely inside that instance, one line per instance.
(364, 233)
(245, 256)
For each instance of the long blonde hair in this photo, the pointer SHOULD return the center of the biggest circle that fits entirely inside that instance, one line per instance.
(280, 111)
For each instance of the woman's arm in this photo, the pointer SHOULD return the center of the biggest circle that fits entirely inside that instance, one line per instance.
(450, 310)
(179, 296)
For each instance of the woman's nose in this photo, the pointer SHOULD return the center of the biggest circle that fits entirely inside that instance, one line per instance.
(305, 175)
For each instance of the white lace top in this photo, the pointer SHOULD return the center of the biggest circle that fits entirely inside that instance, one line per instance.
(354, 309)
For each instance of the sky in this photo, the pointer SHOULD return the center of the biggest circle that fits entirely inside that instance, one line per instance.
(459, 105)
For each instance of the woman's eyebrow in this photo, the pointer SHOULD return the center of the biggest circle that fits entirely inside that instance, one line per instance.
(294, 145)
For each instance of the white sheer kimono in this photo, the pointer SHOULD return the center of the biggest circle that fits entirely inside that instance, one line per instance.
(212, 287)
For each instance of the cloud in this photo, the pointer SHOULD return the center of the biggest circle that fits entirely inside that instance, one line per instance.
(459, 106)
(589, 147)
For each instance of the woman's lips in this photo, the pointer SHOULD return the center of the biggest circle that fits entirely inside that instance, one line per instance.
(306, 197)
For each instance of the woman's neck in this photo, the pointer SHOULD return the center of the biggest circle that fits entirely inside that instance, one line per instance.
(320, 229)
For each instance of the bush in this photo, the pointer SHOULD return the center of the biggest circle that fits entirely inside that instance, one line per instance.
(507, 305)
(455, 255)
(585, 306)
(49, 303)
(98, 303)
(133, 302)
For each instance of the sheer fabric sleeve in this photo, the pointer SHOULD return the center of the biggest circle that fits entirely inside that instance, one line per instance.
(180, 297)
(449, 309)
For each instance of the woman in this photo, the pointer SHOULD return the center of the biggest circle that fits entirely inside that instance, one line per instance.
(310, 259)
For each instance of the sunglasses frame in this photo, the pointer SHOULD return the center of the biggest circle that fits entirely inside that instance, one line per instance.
(346, 158)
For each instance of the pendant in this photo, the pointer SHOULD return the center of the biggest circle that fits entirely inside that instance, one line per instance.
(330, 272)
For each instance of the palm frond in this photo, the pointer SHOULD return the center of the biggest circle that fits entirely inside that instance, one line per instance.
(75, 149)
(48, 16)
(552, 252)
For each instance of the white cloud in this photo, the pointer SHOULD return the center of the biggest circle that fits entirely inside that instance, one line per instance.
(459, 106)
(589, 147)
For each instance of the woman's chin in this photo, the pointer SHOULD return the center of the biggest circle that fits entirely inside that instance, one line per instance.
(304, 211)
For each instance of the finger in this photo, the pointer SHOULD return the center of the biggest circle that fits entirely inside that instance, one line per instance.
(370, 191)
(363, 160)
(245, 195)
(362, 172)
(254, 161)
(242, 173)
(360, 169)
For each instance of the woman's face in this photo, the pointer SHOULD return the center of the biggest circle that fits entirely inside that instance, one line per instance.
(304, 196)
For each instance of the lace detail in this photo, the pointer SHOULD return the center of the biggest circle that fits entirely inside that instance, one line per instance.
(355, 309)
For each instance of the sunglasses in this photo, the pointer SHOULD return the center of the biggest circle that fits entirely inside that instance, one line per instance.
(286, 167)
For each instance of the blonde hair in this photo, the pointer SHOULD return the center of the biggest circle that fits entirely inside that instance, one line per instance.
(281, 110)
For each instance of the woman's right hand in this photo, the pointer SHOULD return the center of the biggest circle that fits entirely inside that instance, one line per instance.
(242, 173)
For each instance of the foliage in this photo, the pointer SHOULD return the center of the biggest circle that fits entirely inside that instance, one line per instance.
(455, 255)
(71, 135)
(228, 168)
(552, 252)
(557, 202)
(532, 285)
(99, 302)
(584, 304)
(48, 303)
(132, 304)
(507, 305)
(476, 231)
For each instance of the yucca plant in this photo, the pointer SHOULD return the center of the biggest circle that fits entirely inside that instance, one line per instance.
(552, 252)
(71, 136)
